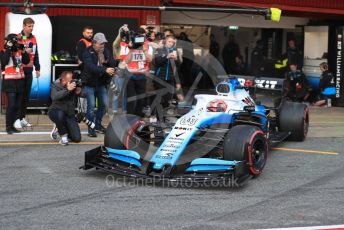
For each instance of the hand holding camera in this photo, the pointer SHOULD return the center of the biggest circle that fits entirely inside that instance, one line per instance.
(71, 86)
(123, 28)
(172, 55)
(9, 44)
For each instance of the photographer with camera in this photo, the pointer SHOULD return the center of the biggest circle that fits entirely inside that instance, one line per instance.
(29, 43)
(166, 68)
(120, 51)
(98, 71)
(62, 109)
(137, 60)
(13, 57)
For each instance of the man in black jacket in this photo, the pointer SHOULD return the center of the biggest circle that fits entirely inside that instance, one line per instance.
(96, 75)
(84, 43)
(28, 40)
(62, 110)
(12, 61)
(298, 87)
(166, 68)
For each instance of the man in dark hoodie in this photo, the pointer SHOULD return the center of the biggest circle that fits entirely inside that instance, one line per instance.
(62, 109)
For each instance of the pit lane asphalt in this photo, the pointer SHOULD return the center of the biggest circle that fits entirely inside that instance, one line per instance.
(42, 188)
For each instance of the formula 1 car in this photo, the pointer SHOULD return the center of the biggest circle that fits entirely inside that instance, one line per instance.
(224, 136)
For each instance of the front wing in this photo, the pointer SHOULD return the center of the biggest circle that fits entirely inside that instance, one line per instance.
(200, 171)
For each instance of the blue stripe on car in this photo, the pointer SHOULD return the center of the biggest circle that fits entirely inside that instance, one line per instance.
(161, 157)
(126, 159)
(209, 161)
(208, 168)
(128, 153)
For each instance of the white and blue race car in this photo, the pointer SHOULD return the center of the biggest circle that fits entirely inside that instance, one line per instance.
(224, 136)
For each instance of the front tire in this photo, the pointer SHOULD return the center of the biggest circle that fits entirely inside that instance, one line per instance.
(120, 133)
(246, 143)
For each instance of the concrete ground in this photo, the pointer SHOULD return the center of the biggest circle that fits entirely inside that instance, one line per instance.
(42, 187)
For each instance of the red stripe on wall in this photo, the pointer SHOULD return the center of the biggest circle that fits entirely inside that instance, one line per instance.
(139, 14)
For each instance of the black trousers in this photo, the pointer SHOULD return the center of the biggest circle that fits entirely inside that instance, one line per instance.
(136, 90)
(26, 95)
(14, 103)
(65, 124)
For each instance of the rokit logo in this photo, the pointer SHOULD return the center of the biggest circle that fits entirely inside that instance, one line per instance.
(262, 84)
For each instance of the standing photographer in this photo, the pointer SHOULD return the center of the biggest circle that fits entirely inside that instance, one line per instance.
(62, 109)
(96, 75)
(166, 64)
(12, 60)
(28, 40)
(138, 59)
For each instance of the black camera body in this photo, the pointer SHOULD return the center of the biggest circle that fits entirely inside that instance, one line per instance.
(78, 82)
(136, 39)
(16, 45)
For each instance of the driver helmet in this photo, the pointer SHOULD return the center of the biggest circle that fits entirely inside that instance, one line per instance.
(217, 105)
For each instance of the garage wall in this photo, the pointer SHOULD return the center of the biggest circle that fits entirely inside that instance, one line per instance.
(225, 19)
(142, 16)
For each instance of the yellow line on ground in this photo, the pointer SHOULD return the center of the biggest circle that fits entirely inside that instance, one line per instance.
(306, 151)
(50, 143)
(100, 143)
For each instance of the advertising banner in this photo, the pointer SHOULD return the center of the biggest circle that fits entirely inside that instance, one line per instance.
(339, 77)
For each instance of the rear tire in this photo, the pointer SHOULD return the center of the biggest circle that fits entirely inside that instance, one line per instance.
(294, 117)
(246, 143)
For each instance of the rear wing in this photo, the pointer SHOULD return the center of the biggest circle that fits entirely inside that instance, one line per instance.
(260, 83)
(270, 91)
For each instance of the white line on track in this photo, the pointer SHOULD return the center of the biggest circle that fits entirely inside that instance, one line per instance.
(31, 133)
(337, 227)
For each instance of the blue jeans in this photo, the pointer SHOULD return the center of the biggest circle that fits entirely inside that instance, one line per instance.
(92, 93)
(120, 83)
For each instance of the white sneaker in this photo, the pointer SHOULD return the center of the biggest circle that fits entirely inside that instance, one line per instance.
(54, 133)
(64, 140)
(17, 124)
(25, 123)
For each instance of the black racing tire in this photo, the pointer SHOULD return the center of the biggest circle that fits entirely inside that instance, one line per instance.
(294, 117)
(121, 130)
(246, 143)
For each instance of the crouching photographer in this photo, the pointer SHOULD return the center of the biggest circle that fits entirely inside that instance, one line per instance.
(13, 57)
(62, 110)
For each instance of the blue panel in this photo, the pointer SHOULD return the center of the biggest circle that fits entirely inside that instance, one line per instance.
(208, 168)
(329, 91)
(125, 159)
(128, 153)
(40, 89)
(313, 81)
(260, 108)
(209, 161)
